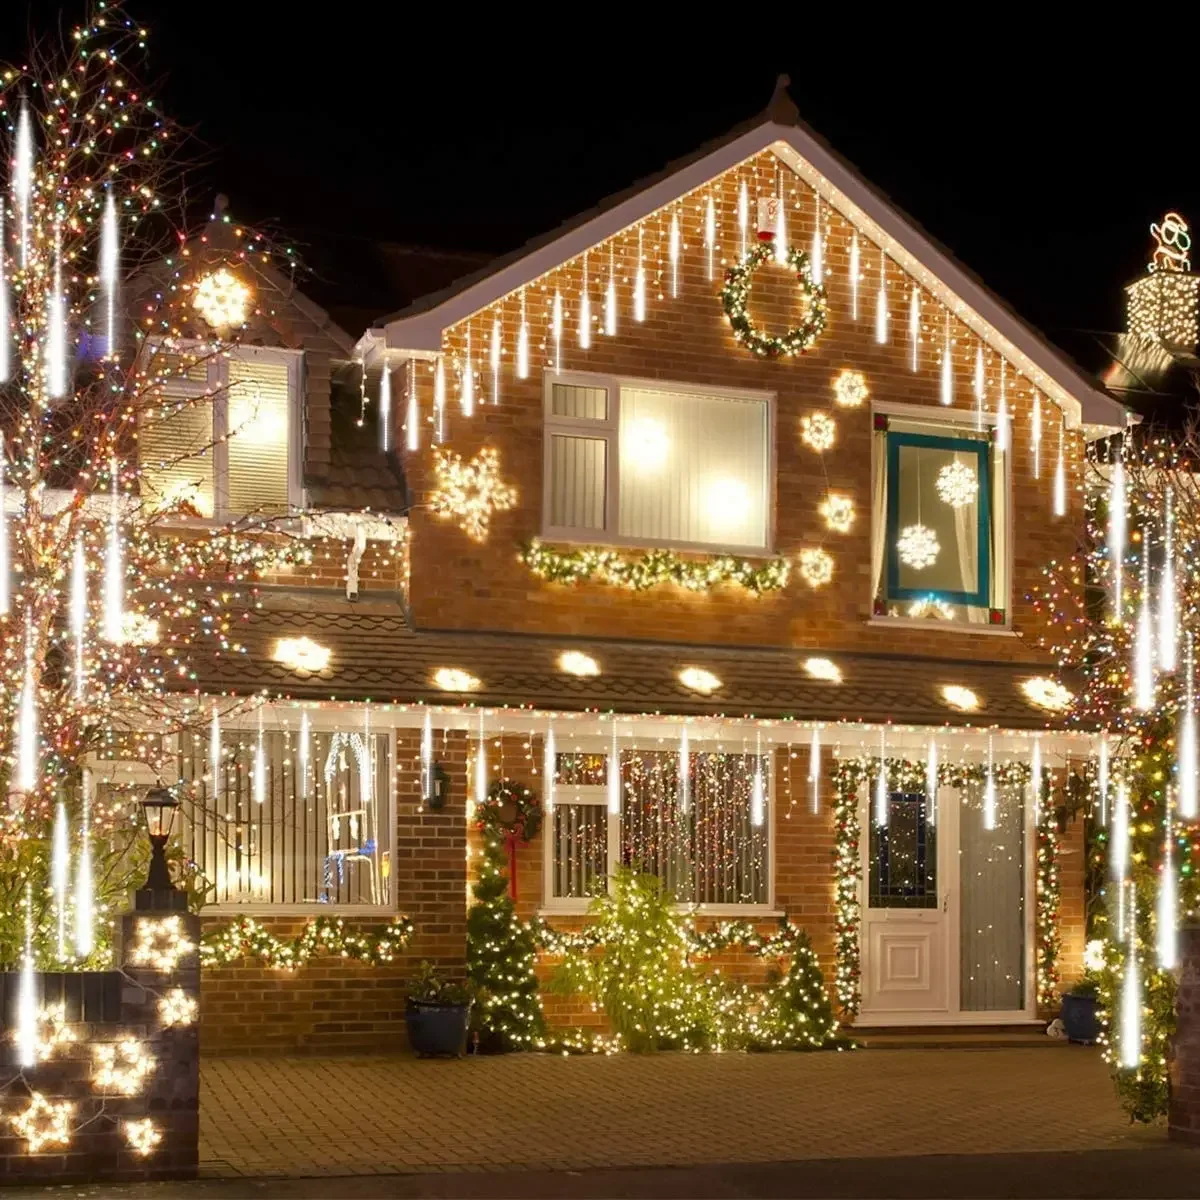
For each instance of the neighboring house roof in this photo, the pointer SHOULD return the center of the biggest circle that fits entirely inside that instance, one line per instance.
(419, 327)
(375, 655)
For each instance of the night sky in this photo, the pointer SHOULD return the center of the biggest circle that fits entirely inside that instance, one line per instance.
(1041, 167)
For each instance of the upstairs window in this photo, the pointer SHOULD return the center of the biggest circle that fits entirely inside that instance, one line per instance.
(940, 522)
(219, 438)
(635, 463)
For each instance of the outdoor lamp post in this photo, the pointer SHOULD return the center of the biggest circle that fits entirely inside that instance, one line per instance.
(159, 807)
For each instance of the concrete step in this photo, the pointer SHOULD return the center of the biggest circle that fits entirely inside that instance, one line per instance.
(955, 1037)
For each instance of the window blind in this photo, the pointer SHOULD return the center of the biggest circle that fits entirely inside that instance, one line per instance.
(176, 453)
(258, 436)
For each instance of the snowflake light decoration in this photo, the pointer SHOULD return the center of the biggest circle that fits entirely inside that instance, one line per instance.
(142, 1136)
(1047, 693)
(838, 511)
(471, 491)
(918, 546)
(44, 1122)
(222, 299)
(957, 484)
(816, 567)
(818, 431)
(850, 388)
(177, 1008)
(160, 943)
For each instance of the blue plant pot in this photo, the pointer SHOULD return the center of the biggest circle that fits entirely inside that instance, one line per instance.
(1079, 1018)
(437, 1028)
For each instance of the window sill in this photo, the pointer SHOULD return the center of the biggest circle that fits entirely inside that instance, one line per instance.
(944, 626)
(313, 909)
(749, 912)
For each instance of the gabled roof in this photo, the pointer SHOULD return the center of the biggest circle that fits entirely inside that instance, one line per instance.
(419, 327)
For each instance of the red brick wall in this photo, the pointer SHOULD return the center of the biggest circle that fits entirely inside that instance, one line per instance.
(688, 340)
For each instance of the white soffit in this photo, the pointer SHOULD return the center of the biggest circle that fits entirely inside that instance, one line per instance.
(1080, 400)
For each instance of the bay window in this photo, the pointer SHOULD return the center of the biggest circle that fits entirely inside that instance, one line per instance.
(638, 463)
(697, 833)
(219, 439)
(939, 522)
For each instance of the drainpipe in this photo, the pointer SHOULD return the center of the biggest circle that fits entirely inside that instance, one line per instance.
(357, 548)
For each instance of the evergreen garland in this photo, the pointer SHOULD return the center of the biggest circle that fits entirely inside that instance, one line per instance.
(246, 938)
(500, 959)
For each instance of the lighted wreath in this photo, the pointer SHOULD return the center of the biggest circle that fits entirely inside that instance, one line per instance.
(511, 809)
(736, 292)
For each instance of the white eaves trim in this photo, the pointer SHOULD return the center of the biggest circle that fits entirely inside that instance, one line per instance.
(1081, 400)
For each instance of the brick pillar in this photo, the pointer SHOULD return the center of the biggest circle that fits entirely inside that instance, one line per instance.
(1183, 1113)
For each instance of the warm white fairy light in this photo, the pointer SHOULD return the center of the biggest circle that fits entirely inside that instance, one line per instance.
(22, 180)
(881, 785)
(685, 771)
(585, 310)
(817, 258)
(427, 756)
(60, 874)
(1035, 780)
(114, 567)
(260, 765)
(109, 267)
(1143, 642)
(56, 326)
(781, 231)
(914, 327)
(855, 271)
(989, 789)
(412, 418)
(758, 791)
(549, 768)
(613, 775)
(673, 253)
(1118, 523)
(466, 391)
(27, 719)
(1131, 997)
(710, 232)
(385, 409)
(85, 896)
(946, 391)
(1035, 434)
(439, 399)
(27, 1023)
(1103, 770)
(1118, 853)
(639, 284)
(1060, 478)
(918, 546)
(523, 343)
(303, 751)
(881, 305)
(1002, 415)
(814, 771)
(1168, 901)
(1168, 602)
(744, 217)
(78, 613)
(481, 764)
(931, 780)
(610, 298)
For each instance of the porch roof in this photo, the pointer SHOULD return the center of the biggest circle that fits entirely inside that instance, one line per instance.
(376, 656)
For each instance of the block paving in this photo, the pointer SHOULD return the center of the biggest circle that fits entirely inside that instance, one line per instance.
(359, 1116)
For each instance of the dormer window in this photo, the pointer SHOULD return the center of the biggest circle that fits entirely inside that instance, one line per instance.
(220, 439)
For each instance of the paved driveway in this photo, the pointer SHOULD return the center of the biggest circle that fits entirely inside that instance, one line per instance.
(281, 1116)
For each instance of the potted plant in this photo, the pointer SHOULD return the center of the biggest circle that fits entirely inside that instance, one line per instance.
(1079, 1012)
(437, 1013)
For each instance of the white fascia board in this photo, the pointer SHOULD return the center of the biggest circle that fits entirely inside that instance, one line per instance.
(1081, 401)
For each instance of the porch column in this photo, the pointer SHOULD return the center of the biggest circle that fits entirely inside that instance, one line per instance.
(1183, 1113)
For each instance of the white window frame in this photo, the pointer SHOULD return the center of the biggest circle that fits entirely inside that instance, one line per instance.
(608, 431)
(217, 385)
(592, 794)
(951, 419)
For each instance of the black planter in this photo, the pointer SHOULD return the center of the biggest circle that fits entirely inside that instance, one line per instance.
(1079, 1018)
(437, 1028)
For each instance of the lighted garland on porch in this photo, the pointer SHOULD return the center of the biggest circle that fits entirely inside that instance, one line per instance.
(639, 572)
(323, 936)
(907, 775)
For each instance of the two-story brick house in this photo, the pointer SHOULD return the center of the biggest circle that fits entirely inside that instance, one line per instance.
(691, 588)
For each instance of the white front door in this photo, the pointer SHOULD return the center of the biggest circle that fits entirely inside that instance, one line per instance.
(947, 910)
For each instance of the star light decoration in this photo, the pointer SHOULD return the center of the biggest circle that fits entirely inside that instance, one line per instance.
(818, 431)
(838, 511)
(176, 1007)
(221, 298)
(121, 1067)
(160, 943)
(470, 491)
(816, 567)
(918, 546)
(957, 484)
(850, 388)
(142, 1136)
(43, 1122)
